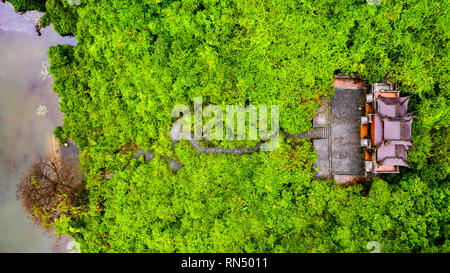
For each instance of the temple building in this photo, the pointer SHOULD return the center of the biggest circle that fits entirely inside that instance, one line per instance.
(361, 131)
(386, 130)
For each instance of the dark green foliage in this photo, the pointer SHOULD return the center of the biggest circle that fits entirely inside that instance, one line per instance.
(60, 135)
(45, 20)
(25, 5)
(135, 60)
(63, 16)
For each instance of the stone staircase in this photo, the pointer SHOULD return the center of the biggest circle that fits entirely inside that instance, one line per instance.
(313, 133)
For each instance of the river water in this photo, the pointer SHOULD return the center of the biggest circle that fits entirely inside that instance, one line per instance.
(28, 114)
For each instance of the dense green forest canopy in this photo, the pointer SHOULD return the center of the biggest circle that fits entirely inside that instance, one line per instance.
(135, 60)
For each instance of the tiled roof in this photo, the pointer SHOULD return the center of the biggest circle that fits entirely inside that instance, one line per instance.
(392, 131)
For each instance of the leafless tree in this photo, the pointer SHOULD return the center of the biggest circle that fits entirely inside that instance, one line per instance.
(49, 189)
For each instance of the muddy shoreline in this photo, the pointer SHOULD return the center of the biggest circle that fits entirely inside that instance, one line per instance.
(29, 112)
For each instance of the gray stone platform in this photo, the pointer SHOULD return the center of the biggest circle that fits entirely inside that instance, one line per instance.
(340, 153)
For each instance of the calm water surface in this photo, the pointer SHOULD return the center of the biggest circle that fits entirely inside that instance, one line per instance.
(28, 114)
